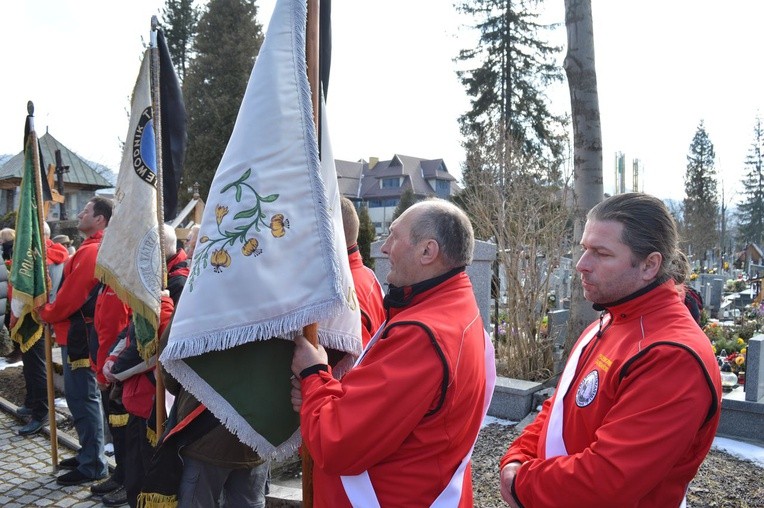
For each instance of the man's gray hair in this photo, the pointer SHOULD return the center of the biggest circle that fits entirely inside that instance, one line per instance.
(170, 241)
(448, 225)
(46, 229)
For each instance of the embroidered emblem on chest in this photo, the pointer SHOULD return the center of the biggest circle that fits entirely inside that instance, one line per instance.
(587, 389)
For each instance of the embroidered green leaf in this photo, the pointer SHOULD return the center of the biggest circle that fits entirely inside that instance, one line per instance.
(246, 214)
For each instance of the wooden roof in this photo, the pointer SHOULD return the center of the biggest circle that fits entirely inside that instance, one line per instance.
(80, 174)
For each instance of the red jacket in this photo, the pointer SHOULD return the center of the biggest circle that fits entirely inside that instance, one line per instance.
(55, 253)
(369, 293)
(111, 317)
(639, 417)
(75, 288)
(137, 375)
(389, 415)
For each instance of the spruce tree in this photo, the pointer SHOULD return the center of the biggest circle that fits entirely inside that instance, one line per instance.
(179, 18)
(512, 65)
(366, 235)
(407, 199)
(750, 211)
(701, 202)
(226, 44)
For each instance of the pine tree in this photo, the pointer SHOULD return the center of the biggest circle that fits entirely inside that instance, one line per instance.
(366, 235)
(701, 203)
(513, 67)
(180, 18)
(407, 199)
(750, 212)
(226, 44)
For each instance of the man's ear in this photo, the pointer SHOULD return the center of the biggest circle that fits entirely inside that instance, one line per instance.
(430, 251)
(651, 265)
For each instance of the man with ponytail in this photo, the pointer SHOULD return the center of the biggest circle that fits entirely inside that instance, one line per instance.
(638, 403)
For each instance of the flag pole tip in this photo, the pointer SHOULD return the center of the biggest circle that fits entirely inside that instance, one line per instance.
(30, 107)
(154, 22)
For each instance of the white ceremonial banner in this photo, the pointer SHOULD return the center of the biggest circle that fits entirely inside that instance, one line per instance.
(270, 257)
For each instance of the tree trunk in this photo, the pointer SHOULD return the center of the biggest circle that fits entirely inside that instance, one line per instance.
(587, 141)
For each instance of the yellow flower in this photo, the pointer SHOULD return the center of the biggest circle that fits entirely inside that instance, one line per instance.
(220, 212)
(220, 259)
(743, 351)
(740, 360)
(740, 341)
(278, 223)
(204, 239)
(250, 248)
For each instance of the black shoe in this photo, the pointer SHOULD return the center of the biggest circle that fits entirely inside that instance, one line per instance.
(116, 498)
(24, 411)
(70, 463)
(74, 477)
(33, 427)
(14, 357)
(104, 487)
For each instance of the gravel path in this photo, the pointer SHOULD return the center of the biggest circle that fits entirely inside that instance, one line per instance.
(723, 480)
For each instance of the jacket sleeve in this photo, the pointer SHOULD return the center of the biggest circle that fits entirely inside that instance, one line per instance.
(75, 289)
(525, 447)
(111, 317)
(349, 426)
(128, 361)
(663, 402)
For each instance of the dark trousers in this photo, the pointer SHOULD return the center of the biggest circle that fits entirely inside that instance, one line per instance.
(114, 411)
(36, 380)
(138, 453)
(84, 400)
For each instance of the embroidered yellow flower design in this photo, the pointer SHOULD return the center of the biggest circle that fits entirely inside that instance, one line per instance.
(278, 225)
(220, 212)
(250, 248)
(217, 247)
(220, 259)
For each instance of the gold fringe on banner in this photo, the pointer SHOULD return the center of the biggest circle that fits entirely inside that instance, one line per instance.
(153, 500)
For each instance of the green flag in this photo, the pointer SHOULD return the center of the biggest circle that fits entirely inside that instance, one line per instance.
(28, 277)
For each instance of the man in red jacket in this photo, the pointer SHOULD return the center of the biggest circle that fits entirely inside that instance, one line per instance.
(637, 406)
(367, 287)
(112, 316)
(71, 315)
(398, 430)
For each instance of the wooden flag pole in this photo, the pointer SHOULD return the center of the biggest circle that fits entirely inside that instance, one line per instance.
(46, 328)
(311, 331)
(156, 114)
(51, 396)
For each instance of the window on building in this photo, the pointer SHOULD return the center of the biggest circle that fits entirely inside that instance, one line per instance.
(442, 188)
(383, 203)
(391, 183)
